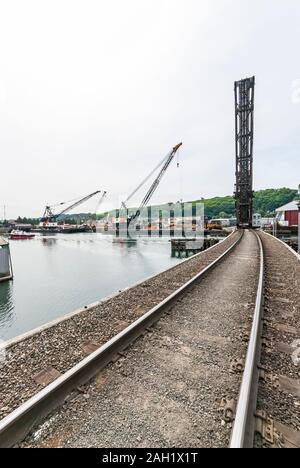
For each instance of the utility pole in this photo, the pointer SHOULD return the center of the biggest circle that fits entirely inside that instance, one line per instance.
(4, 213)
(298, 204)
(299, 228)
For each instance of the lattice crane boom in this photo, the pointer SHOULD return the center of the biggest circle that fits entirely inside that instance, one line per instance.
(49, 215)
(165, 163)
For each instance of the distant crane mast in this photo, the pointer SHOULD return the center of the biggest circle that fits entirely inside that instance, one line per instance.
(165, 163)
(100, 201)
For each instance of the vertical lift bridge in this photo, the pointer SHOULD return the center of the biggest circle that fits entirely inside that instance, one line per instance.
(244, 129)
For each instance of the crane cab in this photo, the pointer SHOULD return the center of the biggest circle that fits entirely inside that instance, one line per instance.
(47, 223)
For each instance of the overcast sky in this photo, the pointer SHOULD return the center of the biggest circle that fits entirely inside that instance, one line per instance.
(94, 93)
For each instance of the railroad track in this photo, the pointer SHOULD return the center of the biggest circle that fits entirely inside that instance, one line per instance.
(278, 404)
(244, 425)
(15, 426)
(268, 411)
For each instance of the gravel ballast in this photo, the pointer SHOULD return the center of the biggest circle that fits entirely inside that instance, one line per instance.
(166, 391)
(63, 345)
(279, 390)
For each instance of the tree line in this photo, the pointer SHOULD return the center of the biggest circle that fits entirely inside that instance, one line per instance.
(265, 203)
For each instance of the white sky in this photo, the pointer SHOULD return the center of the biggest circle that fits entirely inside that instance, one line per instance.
(94, 93)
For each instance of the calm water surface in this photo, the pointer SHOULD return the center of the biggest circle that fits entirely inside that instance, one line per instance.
(57, 274)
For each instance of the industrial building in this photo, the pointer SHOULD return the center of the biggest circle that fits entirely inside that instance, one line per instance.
(288, 215)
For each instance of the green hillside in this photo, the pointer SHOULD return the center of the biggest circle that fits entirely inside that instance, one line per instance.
(265, 203)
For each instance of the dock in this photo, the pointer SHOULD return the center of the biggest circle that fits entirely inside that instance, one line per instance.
(185, 247)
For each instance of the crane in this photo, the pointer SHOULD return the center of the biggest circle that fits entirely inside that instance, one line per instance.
(164, 164)
(49, 219)
(100, 201)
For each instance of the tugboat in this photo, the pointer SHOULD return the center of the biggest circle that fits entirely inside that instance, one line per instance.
(16, 235)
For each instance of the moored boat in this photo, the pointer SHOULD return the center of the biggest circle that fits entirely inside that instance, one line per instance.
(15, 235)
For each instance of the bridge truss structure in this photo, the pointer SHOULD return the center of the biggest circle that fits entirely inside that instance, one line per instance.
(244, 129)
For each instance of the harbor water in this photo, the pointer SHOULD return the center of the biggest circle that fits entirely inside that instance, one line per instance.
(54, 275)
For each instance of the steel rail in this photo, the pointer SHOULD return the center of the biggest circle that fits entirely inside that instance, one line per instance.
(15, 426)
(244, 426)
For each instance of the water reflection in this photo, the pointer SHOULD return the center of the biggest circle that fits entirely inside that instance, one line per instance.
(48, 241)
(55, 275)
(6, 304)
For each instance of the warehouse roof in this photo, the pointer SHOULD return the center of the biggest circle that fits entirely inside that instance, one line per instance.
(293, 206)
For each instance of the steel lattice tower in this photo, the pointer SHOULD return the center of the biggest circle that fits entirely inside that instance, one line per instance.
(244, 128)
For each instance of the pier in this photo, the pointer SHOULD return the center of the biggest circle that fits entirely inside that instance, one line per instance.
(6, 271)
(187, 247)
